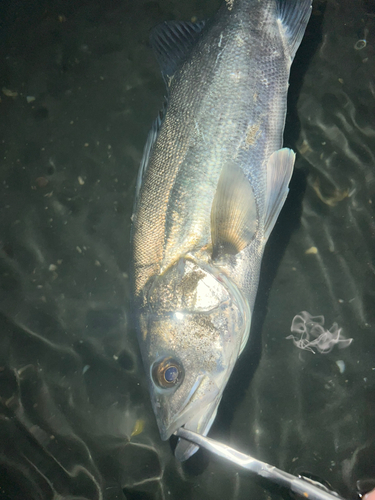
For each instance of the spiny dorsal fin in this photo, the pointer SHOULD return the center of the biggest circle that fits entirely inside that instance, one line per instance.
(147, 150)
(172, 41)
(151, 138)
(233, 214)
(279, 171)
(294, 16)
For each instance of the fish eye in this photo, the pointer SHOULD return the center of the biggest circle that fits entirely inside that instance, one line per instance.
(167, 373)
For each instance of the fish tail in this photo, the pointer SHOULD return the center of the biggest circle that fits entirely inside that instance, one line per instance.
(294, 16)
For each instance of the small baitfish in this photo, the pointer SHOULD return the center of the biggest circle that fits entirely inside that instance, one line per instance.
(211, 185)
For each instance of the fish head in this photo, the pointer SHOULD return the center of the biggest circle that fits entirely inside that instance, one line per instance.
(191, 325)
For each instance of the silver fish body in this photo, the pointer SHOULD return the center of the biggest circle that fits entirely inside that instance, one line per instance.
(211, 185)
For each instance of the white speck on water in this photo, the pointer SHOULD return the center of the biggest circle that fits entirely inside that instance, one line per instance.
(340, 363)
(311, 251)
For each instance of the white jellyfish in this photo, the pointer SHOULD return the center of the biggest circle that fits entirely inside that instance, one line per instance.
(312, 334)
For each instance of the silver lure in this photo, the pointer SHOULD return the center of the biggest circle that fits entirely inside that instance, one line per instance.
(211, 185)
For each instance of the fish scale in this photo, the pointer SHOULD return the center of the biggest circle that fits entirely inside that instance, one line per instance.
(211, 186)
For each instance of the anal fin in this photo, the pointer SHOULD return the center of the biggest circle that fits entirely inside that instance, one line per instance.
(279, 172)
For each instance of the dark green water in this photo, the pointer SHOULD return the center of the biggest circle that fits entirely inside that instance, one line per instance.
(80, 89)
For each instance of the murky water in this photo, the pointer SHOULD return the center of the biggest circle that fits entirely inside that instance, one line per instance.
(80, 89)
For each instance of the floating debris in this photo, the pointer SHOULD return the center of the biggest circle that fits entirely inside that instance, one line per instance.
(340, 363)
(311, 251)
(9, 93)
(138, 427)
(41, 181)
(332, 200)
(360, 44)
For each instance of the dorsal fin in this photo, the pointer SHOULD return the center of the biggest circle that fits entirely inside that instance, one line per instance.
(172, 41)
(294, 16)
(151, 138)
(233, 214)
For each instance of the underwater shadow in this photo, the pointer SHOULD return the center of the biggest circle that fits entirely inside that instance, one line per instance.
(310, 43)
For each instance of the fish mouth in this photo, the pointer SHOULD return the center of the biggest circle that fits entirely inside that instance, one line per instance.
(196, 414)
(199, 423)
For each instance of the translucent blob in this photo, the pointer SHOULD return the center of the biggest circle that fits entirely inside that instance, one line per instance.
(312, 334)
(360, 44)
(341, 364)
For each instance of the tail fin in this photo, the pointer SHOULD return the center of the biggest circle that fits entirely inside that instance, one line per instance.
(294, 16)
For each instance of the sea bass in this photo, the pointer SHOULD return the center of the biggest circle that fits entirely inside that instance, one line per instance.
(211, 185)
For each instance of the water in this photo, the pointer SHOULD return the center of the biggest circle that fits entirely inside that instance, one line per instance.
(80, 90)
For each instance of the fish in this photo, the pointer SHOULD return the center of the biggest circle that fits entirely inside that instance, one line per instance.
(212, 182)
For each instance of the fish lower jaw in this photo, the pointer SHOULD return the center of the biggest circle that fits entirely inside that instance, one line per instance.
(199, 422)
(192, 422)
(166, 433)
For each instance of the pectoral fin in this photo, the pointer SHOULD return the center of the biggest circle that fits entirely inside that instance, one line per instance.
(279, 171)
(234, 216)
